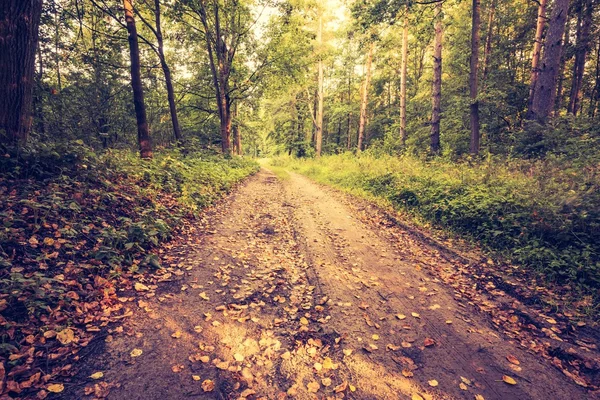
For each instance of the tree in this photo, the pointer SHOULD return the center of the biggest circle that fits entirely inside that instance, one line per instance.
(582, 47)
(136, 83)
(18, 43)
(473, 90)
(545, 89)
(436, 92)
(364, 98)
(537, 51)
(320, 94)
(403, 68)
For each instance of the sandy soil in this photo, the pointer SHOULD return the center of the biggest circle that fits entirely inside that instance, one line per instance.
(297, 291)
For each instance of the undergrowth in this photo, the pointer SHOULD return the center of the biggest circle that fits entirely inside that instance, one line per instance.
(74, 221)
(542, 215)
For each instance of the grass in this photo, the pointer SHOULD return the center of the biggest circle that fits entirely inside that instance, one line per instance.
(542, 215)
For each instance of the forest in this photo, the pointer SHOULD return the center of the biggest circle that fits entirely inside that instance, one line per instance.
(272, 199)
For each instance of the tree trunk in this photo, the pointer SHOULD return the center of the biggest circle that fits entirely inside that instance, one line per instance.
(319, 125)
(167, 73)
(535, 57)
(364, 100)
(436, 92)
(237, 138)
(475, 136)
(561, 69)
(596, 91)
(19, 23)
(136, 83)
(582, 48)
(487, 51)
(545, 90)
(403, 70)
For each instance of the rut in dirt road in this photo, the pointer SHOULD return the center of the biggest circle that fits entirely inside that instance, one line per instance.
(290, 294)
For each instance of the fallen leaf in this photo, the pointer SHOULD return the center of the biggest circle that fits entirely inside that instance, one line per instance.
(65, 336)
(407, 373)
(55, 388)
(341, 387)
(203, 296)
(303, 321)
(400, 316)
(463, 386)
(433, 383)
(97, 375)
(140, 287)
(347, 352)
(136, 352)
(416, 397)
(509, 380)
(428, 342)
(326, 382)
(479, 397)
(313, 387)
(196, 377)
(416, 315)
(238, 357)
(208, 385)
(513, 360)
(176, 334)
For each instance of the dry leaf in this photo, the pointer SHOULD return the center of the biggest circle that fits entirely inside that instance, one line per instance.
(407, 373)
(433, 383)
(313, 387)
(479, 397)
(140, 287)
(341, 387)
(428, 342)
(176, 334)
(416, 315)
(203, 296)
(416, 397)
(400, 316)
(196, 377)
(463, 386)
(136, 352)
(65, 336)
(509, 380)
(208, 385)
(512, 359)
(238, 357)
(97, 375)
(326, 382)
(56, 388)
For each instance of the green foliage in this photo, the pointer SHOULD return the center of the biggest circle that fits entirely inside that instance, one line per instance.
(541, 214)
(65, 208)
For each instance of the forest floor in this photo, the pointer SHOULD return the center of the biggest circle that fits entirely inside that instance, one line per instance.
(295, 290)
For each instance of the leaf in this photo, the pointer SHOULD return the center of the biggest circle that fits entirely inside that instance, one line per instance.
(401, 316)
(176, 334)
(509, 380)
(140, 287)
(407, 373)
(433, 383)
(328, 364)
(136, 352)
(208, 385)
(97, 375)
(203, 296)
(238, 357)
(341, 387)
(479, 397)
(303, 321)
(55, 388)
(415, 396)
(416, 315)
(65, 336)
(313, 387)
(196, 377)
(513, 360)
(428, 342)
(463, 386)
(326, 382)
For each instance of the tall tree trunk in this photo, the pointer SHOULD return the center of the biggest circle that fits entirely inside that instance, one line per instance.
(596, 91)
(319, 127)
(19, 23)
(535, 57)
(364, 99)
(436, 92)
(403, 70)
(167, 73)
(237, 138)
(545, 90)
(561, 68)
(475, 136)
(487, 51)
(136, 83)
(582, 48)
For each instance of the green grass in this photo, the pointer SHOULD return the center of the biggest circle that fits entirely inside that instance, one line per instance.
(541, 215)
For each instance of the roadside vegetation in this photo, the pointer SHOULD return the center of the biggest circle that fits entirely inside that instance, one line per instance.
(540, 214)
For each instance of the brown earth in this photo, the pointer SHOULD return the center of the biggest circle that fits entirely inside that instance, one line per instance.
(294, 290)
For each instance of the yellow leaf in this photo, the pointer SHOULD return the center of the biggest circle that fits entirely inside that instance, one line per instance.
(313, 387)
(512, 359)
(140, 287)
(407, 373)
(463, 386)
(303, 321)
(97, 375)
(509, 380)
(375, 337)
(326, 382)
(176, 334)
(416, 397)
(341, 387)
(136, 352)
(65, 336)
(196, 377)
(352, 388)
(479, 397)
(208, 385)
(56, 388)
(347, 352)
(48, 241)
(203, 296)
(328, 364)
(433, 383)
(238, 357)
(416, 315)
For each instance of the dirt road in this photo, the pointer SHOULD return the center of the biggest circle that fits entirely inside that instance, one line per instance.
(294, 291)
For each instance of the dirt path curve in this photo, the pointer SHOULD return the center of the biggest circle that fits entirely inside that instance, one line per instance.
(290, 294)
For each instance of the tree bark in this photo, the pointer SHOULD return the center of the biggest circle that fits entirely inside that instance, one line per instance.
(561, 68)
(475, 136)
(319, 118)
(436, 92)
(403, 73)
(582, 47)
(364, 100)
(136, 83)
(237, 138)
(596, 91)
(545, 90)
(19, 26)
(537, 51)
(487, 51)
(167, 73)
